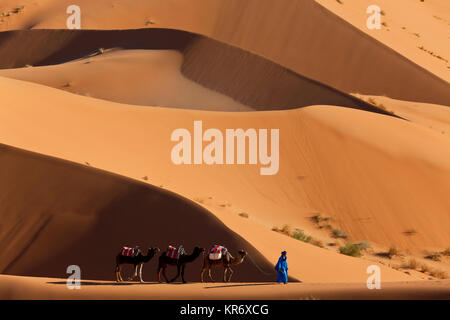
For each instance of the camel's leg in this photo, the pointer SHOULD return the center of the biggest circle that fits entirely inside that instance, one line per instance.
(164, 274)
(117, 273)
(202, 273)
(225, 274)
(182, 273)
(231, 274)
(159, 273)
(136, 266)
(140, 272)
(210, 276)
(120, 272)
(178, 273)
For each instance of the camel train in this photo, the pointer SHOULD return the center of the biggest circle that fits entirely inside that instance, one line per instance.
(218, 256)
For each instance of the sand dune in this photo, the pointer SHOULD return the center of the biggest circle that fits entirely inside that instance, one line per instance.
(310, 40)
(432, 116)
(397, 162)
(142, 77)
(248, 79)
(309, 72)
(77, 215)
(408, 26)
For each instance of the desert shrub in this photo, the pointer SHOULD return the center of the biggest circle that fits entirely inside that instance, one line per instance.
(372, 101)
(411, 264)
(350, 249)
(284, 230)
(439, 274)
(317, 243)
(338, 233)
(199, 200)
(424, 268)
(18, 9)
(317, 218)
(446, 252)
(243, 215)
(392, 252)
(363, 245)
(410, 232)
(434, 256)
(300, 235)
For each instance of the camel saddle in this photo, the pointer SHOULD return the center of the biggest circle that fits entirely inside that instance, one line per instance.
(174, 252)
(129, 252)
(216, 252)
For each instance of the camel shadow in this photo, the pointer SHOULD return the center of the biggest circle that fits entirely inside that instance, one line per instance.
(93, 283)
(242, 285)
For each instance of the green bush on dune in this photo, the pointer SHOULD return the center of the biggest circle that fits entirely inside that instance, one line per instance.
(350, 249)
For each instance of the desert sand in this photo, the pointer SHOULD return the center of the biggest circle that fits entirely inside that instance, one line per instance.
(363, 140)
(105, 150)
(50, 288)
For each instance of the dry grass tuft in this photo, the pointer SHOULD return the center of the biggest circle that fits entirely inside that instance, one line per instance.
(286, 230)
(338, 233)
(411, 264)
(410, 232)
(392, 252)
(439, 274)
(435, 256)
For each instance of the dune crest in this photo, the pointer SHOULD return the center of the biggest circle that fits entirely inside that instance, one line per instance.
(248, 79)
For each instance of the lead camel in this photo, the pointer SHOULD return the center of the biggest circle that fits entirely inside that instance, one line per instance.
(227, 261)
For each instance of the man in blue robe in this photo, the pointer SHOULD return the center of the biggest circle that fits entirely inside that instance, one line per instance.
(282, 268)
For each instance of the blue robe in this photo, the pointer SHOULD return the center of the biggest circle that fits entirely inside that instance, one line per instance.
(282, 270)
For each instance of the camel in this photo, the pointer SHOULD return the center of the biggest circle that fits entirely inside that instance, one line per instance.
(181, 262)
(226, 261)
(138, 262)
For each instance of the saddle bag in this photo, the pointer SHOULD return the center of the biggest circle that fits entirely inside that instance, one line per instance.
(216, 252)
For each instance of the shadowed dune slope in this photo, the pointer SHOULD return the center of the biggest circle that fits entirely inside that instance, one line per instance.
(75, 215)
(313, 41)
(245, 77)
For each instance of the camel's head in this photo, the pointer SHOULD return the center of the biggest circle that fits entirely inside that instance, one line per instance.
(242, 252)
(199, 250)
(154, 250)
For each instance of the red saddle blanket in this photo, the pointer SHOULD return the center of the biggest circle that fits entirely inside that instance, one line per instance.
(218, 249)
(127, 252)
(173, 252)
